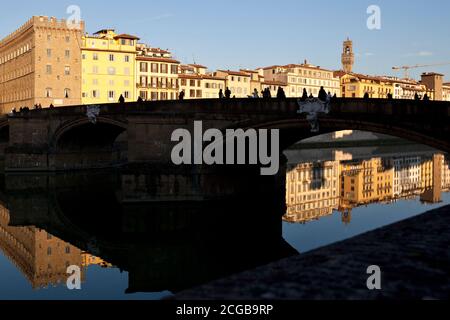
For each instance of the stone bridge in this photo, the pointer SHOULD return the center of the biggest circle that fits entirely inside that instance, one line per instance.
(136, 133)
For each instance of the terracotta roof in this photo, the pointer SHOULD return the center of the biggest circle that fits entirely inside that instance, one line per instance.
(197, 66)
(234, 73)
(126, 36)
(248, 71)
(189, 76)
(156, 59)
(208, 76)
(275, 83)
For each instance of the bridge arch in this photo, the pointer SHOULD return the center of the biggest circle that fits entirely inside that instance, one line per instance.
(81, 144)
(293, 130)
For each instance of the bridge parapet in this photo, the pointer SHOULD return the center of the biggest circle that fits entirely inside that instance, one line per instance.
(50, 139)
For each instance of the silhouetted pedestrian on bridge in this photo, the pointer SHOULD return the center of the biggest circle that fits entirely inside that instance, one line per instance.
(121, 99)
(51, 106)
(416, 97)
(390, 96)
(228, 93)
(255, 94)
(181, 96)
(139, 100)
(305, 95)
(221, 96)
(322, 94)
(426, 97)
(281, 95)
(366, 96)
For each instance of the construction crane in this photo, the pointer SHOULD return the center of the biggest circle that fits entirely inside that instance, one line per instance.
(407, 68)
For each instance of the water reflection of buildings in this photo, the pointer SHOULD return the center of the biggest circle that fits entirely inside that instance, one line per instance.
(317, 189)
(42, 258)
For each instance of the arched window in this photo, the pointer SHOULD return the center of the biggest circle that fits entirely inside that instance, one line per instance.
(67, 93)
(48, 92)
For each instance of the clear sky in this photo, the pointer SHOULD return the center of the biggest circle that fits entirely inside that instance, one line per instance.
(255, 33)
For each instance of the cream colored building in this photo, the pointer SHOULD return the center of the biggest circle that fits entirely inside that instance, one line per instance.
(40, 64)
(312, 191)
(198, 84)
(446, 92)
(108, 64)
(298, 77)
(238, 82)
(157, 74)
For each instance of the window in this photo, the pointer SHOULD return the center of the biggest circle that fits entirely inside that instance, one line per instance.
(111, 95)
(126, 94)
(48, 92)
(126, 83)
(127, 58)
(49, 69)
(143, 66)
(49, 53)
(67, 54)
(49, 251)
(164, 68)
(144, 81)
(143, 95)
(95, 94)
(67, 70)
(174, 69)
(111, 57)
(83, 56)
(67, 39)
(95, 56)
(67, 250)
(154, 67)
(111, 71)
(67, 93)
(95, 69)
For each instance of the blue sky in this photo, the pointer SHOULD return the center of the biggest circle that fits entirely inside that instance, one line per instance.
(255, 33)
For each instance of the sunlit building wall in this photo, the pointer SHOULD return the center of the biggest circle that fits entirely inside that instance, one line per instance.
(108, 67)
(298, 77)
(157, 74)
(40, 65)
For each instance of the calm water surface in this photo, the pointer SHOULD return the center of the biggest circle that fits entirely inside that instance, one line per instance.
(130, 249)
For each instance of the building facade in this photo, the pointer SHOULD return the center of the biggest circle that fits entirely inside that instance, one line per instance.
(298, 77)
(157, 74)
(238, 82)
(357, 86)
(312, 191)
(40, 64)
(108, 67)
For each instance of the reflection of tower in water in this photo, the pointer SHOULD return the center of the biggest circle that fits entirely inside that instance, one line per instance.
(432, 179)
(42, 258)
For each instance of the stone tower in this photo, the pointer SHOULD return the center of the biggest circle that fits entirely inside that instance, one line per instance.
(348, 57)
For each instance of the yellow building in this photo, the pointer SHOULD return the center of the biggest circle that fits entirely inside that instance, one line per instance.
(366, 182)
(357, 85)
(108, 67)
(157, 74)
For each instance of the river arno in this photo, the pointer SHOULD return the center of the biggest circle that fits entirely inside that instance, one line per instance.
(129, 250)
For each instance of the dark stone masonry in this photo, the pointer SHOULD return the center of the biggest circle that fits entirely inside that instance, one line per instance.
(414, 257)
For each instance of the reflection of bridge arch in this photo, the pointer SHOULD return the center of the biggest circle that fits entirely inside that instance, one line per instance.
(293, 130)
(82, 131)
